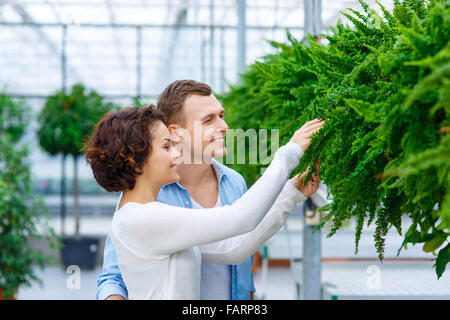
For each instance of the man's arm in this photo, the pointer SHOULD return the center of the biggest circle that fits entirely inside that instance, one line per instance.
(110, 284)
(237, 249)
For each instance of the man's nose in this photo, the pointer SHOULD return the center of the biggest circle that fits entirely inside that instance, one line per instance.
(223, 125)
(176, 155)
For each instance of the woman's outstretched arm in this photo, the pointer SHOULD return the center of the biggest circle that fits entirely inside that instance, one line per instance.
(160, 229)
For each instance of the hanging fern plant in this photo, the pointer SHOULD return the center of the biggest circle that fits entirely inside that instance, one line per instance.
(383, 87)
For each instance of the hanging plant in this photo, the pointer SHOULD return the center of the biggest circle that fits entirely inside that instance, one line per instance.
(383, 87)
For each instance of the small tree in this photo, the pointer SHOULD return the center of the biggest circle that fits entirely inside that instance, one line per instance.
(65, 121)
(21, 211)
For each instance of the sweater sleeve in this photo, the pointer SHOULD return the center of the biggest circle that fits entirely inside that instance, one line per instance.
(237, 249)
(159, 229)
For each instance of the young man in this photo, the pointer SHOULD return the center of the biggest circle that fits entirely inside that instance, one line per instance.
(205, 183)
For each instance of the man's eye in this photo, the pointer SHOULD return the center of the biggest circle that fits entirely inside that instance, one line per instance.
(207, 120)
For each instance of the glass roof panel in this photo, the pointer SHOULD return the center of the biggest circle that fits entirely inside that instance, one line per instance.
(105, 45)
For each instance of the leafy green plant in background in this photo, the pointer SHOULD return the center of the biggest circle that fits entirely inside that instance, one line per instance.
(383, 88)
(65, 121)
(23, 216)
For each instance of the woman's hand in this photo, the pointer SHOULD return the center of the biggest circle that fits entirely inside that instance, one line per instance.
(302, 136)
(312, 184)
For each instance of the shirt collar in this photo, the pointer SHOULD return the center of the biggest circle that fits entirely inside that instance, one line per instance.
(219, 169)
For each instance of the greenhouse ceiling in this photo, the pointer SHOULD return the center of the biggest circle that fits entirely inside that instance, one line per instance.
(136, 47)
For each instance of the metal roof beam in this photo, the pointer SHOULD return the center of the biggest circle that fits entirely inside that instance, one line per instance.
(28, 20)
(168, 53)
(118, 43)
(54, 10)
(150, 26)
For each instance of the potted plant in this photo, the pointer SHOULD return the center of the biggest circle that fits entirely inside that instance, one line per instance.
(22, 213)
(66, 120)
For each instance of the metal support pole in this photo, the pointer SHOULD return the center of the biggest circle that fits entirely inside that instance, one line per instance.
(311, 241)
(308, 17)
(313, 17)
(317, 16)
(241, 7)
(76, 205)
(138, 63)
(222, 61)
(63, 196)
(63, 159)
(197, 36)
(64, 58)
(311, 254)
(211, 44)
(202, 59)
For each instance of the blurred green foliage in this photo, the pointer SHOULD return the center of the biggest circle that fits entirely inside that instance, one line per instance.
(68, 118)
(23, 215)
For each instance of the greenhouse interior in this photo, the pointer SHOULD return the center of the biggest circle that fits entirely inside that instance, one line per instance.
(372, 222)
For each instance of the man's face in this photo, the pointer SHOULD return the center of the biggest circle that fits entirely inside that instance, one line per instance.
(204, 122)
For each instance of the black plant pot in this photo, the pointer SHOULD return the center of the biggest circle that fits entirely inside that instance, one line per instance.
(81, 252)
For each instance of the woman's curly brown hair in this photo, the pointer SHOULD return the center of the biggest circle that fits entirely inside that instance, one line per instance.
(120, 145)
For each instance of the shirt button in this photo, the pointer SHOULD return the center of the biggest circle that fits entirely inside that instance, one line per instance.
(187, 202)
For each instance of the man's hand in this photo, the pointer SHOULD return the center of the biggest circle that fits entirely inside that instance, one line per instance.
(115, 297)
(313, 183)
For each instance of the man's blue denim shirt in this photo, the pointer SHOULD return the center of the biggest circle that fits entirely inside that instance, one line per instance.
(231, 187)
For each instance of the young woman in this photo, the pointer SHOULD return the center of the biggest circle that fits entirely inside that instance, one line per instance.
(157, 244)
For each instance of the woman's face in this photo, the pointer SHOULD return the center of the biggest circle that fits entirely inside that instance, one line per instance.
(161, 166)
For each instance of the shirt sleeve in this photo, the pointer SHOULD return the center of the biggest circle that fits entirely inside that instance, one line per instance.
(110, 281)
(237, 249)
(169, 229)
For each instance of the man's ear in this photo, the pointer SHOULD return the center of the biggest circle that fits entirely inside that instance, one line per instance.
(173, 131)
(172, 128)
